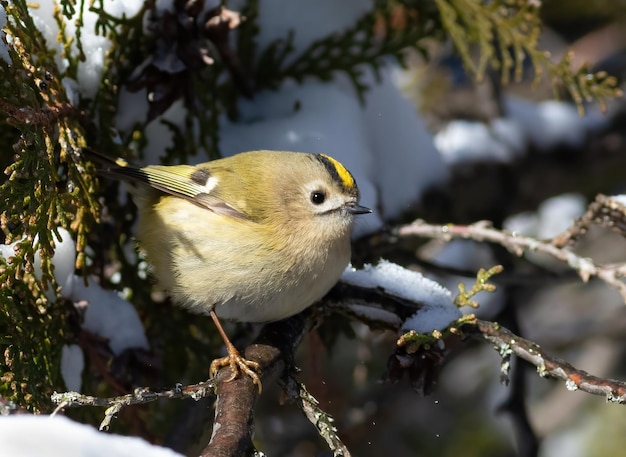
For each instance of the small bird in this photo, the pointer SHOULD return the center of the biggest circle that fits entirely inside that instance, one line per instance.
(256, 237)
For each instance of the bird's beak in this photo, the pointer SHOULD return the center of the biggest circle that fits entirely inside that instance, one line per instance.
(353, 208)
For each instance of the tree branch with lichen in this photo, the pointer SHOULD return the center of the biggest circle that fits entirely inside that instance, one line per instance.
(548, 366)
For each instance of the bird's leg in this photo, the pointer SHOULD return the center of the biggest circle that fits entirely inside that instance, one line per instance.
(236, 362)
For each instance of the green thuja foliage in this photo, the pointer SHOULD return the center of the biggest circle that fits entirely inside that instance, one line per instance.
(385, 32)
(506, 34)
(46, 185)
(49, 183)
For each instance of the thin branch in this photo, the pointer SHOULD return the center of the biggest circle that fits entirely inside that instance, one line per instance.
(323, 422)
(548, 366)
(140, 395)
(605, 211)
(518, 245)
(515, 404)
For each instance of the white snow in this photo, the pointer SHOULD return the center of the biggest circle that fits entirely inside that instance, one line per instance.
(553, 123)
(72, 90)
(58, 436)
(107, 314)
(546, 125)
(508, 132)
(110, 316)
(308, 20)
(438, 308)
(133, 108)
(558, 213)
(404, 160)
(525, 223)
(72, 366)
(95, 46)
(63, 260)
(552, 217)
(6, 251)
(621, 199)
(468, 141)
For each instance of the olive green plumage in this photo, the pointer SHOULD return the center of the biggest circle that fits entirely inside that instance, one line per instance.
(258, 236)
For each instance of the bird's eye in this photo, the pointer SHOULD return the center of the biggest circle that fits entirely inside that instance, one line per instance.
(318, 197)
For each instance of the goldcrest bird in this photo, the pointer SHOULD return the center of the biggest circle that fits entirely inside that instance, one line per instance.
(255, 237)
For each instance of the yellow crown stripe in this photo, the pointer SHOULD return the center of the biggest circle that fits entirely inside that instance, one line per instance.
(344, 175)
(120, 162)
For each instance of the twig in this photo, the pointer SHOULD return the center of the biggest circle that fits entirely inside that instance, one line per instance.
(604, 211)
(515, 404)
(323, 422)
(141, 395)
(506, 343)
(482, 231)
